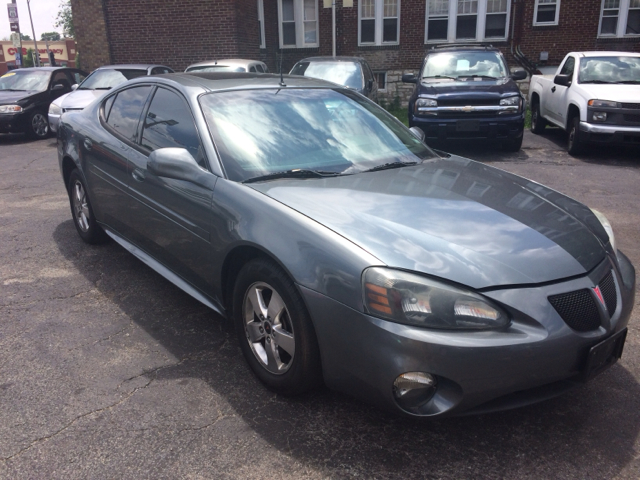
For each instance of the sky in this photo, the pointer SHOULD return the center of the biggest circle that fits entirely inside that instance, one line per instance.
(44, 14)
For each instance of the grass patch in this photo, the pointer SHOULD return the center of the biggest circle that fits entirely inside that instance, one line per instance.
(527, 118)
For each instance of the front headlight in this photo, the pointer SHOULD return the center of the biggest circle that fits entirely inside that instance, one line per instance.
(411, 299)
(607, 227)
(423, 103)
(55, 109)
(510, 101)
(603, 103)
(10, 109)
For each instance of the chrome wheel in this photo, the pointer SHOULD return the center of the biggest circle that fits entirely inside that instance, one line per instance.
(39, 125)
(268, 328)
(80, 206)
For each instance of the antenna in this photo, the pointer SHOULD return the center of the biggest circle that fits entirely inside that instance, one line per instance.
(282, 84)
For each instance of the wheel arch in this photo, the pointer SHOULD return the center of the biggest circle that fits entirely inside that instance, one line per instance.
(68, 166)
(572, 111)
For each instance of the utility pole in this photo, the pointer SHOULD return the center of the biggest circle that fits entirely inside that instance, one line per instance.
(35, 44)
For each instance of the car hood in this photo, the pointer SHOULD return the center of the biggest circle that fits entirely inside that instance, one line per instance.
(7, 98)
(456, 90)
(616, 93)
(79, 98)
(456, 219)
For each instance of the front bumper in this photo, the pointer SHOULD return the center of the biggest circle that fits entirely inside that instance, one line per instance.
(610, 134)
(13, 122)
(537, 357)
(470, 127)
(54, 121)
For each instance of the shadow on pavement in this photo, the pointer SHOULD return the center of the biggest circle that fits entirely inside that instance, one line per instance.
(589, 432)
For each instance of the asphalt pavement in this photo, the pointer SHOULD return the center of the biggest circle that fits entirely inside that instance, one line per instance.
(109, 371)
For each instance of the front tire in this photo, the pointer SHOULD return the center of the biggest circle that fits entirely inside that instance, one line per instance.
(537, 122)
(38, 125)
(512, 144)
(274, 329)
(83, 216)
(575, 145)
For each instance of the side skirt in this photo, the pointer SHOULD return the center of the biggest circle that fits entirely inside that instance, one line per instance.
(166, 273)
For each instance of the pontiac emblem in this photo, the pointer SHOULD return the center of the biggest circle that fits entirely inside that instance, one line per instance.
(599, 294)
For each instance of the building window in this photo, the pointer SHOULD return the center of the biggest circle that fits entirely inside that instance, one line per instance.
(379, 22)
(263, 43)
(466, 20)
(619, 18)
(381, 80)
(298, 23)
(546, 12)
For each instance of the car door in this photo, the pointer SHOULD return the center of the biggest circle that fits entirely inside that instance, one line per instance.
(172, 218)
(107, 153)
(556, 105)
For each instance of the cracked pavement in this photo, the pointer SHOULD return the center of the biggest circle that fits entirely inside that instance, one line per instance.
(109, 371)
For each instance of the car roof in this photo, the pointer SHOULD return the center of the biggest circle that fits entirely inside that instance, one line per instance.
(215, 81)
(606, 54)
(239, 62)
(463, 48)
(133, 66)
(43, 69)
(331, 59)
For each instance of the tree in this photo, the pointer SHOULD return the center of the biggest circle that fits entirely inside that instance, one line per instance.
(27, 60)
(50, 36)
(24, 37)
(65, 19)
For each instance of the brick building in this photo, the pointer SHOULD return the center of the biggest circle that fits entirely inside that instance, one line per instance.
(393, 35)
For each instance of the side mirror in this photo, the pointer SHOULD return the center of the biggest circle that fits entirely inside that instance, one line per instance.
(519, 75)
(409, 78)
(177, 163)
(564, 80)
(418, 133)
(74, 86)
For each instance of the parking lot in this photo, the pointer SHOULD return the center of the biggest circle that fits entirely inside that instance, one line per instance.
(109, 371)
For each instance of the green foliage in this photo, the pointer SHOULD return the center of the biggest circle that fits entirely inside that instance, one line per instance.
(27, 60)
(396, 109)
(50, 36)
(64, 19)
(24, 37)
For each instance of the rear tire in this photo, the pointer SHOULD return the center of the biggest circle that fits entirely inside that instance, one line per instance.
(82, 213)
(537, 122)
(274, 329)
(575, 144)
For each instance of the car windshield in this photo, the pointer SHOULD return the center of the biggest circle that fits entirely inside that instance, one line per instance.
(109, 78)
(259, 132)
(609, 70)
(348, 74)
(216, 68)
(21, 80)
(464, 64)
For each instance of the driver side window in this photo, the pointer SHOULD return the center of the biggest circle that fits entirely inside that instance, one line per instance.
(60, 78)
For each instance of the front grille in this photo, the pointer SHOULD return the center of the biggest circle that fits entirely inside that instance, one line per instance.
(608, 290)
(631, 118)
(467, 102)
(578, 309)
(631, 105)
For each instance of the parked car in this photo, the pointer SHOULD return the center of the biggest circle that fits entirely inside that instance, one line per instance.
(343, 248)
(25, 95)
(594, 96)
(468, 92)
(100, 80)
(229, 65)
(351, 72)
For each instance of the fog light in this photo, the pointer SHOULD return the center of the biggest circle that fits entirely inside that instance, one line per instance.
(599, 116)
(414, 389)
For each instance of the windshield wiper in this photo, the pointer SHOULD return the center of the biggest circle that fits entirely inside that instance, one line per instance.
(101, 88)
(13, 90)
(440, 76)
(629, 82)
(390, 165)
(478, 76)
(597, 81)
(295, 173)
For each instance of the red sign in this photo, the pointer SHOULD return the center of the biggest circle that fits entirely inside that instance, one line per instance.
(12, 51)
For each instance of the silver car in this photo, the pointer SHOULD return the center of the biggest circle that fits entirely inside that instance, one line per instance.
(344, 249)
(229, 65)
(100, 80)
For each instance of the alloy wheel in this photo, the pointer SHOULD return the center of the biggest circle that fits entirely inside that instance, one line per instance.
(39, 125)
(268, 328)
(80, 206)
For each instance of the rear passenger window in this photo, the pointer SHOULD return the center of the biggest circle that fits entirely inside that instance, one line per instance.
(259, 69)
(126, 111)
(169, 124)
(252, 69)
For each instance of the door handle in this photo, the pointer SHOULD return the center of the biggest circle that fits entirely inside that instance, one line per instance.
(138, 175)
(553, 90)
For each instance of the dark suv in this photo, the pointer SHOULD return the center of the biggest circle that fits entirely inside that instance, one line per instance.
(468, 92)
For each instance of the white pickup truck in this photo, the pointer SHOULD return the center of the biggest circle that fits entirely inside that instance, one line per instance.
(594, 96)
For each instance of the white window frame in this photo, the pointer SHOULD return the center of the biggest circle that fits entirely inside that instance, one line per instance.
(379, 23)
(263, 42)
(480, 24)
(298, 15)
(375, 76)
(621, 27)
(535, 14)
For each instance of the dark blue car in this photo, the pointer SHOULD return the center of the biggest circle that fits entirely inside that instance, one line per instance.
(468, 92)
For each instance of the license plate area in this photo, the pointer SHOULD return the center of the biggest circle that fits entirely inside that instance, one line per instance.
(604, 354)
(468, 125)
